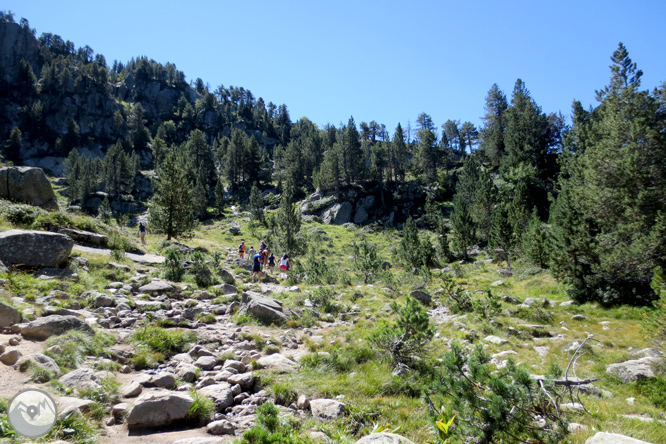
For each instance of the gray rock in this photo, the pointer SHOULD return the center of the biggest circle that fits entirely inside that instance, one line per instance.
(276, 361)
(326, 409)
(55, 273)
(613, 438)
(82, 378)
(421, 296)
(132, 390)
(384, 438)
(238, 366)
(47, 326)
(221, 427)
(200, 441)
(121, 267)
(262, 308)
(338, 214)
(578, 317)
(41, 360)
(206, 362)
(158, 409)
(8, 315)
(187, 372)
(102, 300)
(69, 404)
(221, 394)
(163, 379)
(85, 237)
(227, 278)
(245, 380)
(34, 248)
(632, 370)
(10, 357)
(495, 340)
(157, 286)
(27, 185)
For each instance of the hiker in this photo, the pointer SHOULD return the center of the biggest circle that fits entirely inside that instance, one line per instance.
(284, 266)
(142, 232)
(252, 253)
(264, 260)
(241, 249)
(271, 262)
(256, 267)
(263, 246)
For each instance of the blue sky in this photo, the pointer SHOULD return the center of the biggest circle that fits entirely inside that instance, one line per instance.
(375, 60)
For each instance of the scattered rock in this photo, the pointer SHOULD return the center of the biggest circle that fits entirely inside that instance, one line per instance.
(495, 340)
(421, 296)
(206, 362)
(157, 286)
(158, 408)
(41, 360)
(10, 357)
(220, 393)
(303, 403)
(578, 317)
(47, 326)
(265, 309)
(82, 378)
(131, 391)
(325, 409)
(497, 283)
(276, 361)
(221, 427)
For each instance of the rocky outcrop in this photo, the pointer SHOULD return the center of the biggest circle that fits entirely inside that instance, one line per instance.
(27, 185)
(34, 248)
(262, 308)
(48, 326)
(16, 43)
(158, 409)
(326, 409)
(221, 395)
(338, 214)
(84, 237)
(39, 360)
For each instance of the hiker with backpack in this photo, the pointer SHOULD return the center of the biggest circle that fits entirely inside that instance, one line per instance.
(256, 267)
(271, 262)
(241, 249)
(252, 253)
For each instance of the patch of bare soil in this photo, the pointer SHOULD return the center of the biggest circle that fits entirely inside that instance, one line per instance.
(12, 381)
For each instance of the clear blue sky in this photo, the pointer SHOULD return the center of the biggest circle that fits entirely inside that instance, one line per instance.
(376, 60)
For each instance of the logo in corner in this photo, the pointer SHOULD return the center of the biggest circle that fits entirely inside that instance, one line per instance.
(32, 413)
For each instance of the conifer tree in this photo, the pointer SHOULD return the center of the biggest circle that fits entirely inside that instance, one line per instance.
(286, 226)
(494, 125)
(171, 209)
(502, 239)
(12, 146)
(410, 245)
(534, 241)
(220, 197)
(256, 204)
(463, 226)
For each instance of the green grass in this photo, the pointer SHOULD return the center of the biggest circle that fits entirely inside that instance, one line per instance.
(164, 341)
(74, 346)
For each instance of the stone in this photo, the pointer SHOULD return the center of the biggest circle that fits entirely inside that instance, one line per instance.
(262, 308)
(221, 427)
(613, 438)
(28, 185)
(495, 340)
(56, 273)
(85, 237)
(303, 402)
(159, 408)
(163, 379)
(47, 326)
(121, 267)
(276, 360)
(157, 286)
(632, 370)
(220, 393)
(102, 300)
(227, 278)
(8, 315)
(236, 365)
(384, 438)
(245, 380)
(69, 404)
(132, 390)
(81, 378)
(206, 362)
(497, 283)
(578, 317)
(338, 214)
(41, 360)
(200, 441)
(421, 296)
(187, 372)
(326, 409)
(34, 248)
(10, 357)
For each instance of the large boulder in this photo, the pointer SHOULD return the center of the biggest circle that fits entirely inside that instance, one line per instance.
(265, 309)
(8, 315)
(81, 378)
(221, 394)
(160, 408)
(613, 438)
(47, 326)
(34, 248)
(384, 438)
(85, 237)
(276, 360)
(27, 185)
(634, 369)
(39, 360)
(338, 214)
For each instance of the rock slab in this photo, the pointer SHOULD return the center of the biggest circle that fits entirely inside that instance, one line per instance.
(159, 408)
(265, 309)
(8, 315)
(34, 248)
(384, 438)
(48, 326)
(613, 438)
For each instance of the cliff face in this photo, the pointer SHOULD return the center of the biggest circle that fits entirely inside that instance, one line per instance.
(17, 43)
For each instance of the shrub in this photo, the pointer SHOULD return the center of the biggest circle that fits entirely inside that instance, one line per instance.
(164, 341)
(201, 411)
(202, 275)
(284, 394)
(654, 389)
(22, 215)
(173, 267)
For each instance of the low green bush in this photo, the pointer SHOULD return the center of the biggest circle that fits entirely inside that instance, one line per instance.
(164, 341)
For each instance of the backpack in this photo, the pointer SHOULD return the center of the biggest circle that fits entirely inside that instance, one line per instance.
(241, 247)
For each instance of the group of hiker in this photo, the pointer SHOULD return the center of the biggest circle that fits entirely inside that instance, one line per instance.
(263, 260)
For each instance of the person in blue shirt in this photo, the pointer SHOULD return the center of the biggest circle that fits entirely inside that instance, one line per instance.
(256, 267)
(142, 232)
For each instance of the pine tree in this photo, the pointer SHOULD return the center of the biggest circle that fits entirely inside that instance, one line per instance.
(463, 226)
(502, 239)
(256, 204)
(411, 248)
(171, 209)
(12, 147)
(286, 226)
(494, 125)
(220, 197)
(534, 241)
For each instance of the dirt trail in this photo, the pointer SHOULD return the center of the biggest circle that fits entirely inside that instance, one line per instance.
(139, 258)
